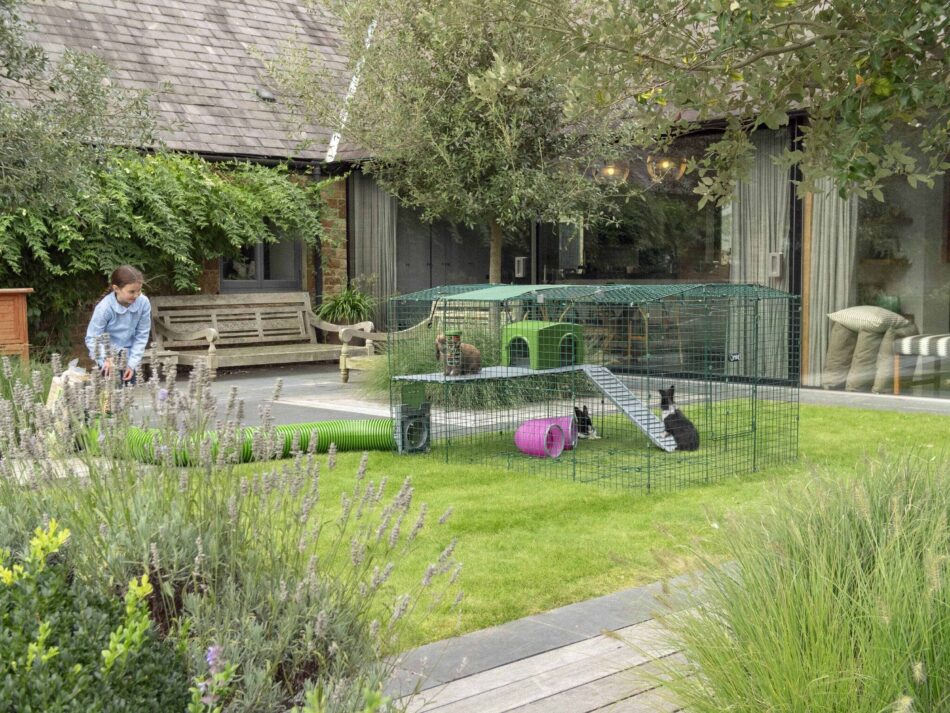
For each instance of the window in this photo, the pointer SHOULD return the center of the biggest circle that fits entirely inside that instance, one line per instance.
(263, 267)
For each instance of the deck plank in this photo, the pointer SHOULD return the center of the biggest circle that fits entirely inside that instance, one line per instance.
(595, 695)
(537, 677)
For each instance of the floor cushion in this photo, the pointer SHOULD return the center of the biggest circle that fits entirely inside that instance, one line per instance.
(841, 344)
(864, 361)
(869, 318)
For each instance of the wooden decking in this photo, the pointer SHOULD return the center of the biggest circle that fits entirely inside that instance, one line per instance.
(610, 653)
(614, 672)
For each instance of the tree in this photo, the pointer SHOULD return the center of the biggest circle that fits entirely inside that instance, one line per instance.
(458, 113)
(871, 75)
(58, 120)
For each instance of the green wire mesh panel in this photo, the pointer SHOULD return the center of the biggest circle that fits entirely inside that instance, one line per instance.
(564, 379)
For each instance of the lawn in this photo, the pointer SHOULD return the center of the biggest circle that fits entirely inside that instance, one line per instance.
(530, 543)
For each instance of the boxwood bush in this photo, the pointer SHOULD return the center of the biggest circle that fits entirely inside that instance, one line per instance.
(65, 646)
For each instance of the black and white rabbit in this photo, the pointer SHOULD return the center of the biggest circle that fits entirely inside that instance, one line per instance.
(585, 425)
(676, 424)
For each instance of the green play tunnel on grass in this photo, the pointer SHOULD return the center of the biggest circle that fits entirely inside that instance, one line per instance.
(348, 435)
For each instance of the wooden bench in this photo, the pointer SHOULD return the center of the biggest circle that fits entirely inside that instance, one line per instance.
(243, 330)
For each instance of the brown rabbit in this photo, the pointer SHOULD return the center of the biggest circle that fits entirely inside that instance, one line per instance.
(471, 359)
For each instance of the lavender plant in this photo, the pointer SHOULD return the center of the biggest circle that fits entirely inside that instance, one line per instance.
(291, 592)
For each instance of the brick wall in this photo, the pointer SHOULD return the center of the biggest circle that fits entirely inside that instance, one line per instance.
(209, 282)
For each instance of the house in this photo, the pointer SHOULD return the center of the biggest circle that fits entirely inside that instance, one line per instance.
(202, 61)
(835, 253)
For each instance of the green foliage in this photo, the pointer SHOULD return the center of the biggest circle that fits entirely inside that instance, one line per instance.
(268, 590)
(871, 76)
(212, 689)
(164, 213)
(489, 109)
(13, 371)
(349, 306)
(58, 121)
(838, 600)
(316, 702)
(459, 113)
(66, 647)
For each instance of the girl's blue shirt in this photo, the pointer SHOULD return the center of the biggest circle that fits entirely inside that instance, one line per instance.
(128, 328)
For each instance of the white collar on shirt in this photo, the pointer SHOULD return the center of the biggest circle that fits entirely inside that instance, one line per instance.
(122, 309)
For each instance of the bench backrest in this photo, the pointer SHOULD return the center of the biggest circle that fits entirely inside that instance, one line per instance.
(241, 319)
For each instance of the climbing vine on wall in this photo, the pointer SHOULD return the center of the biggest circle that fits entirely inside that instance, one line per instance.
(166, 213)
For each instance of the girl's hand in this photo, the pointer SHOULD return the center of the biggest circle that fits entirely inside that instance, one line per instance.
(128, 373)
(107, 367)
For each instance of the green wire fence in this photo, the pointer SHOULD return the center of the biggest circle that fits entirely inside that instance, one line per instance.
(565, 379)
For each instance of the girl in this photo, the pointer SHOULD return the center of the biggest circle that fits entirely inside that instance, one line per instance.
(125, 315)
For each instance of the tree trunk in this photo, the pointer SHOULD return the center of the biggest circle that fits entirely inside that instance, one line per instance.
(494, 254)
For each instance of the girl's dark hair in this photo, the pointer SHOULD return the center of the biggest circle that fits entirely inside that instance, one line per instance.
(124, 275)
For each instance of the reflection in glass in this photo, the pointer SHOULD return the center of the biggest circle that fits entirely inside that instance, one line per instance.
(243, 266)
(279, 260)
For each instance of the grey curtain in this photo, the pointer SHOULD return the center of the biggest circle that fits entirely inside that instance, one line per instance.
(760, 215)
(759, 229)
(832, 286)
(373, 236)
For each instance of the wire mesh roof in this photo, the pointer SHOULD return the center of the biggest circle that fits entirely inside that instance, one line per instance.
(601, 294)
(434, 293)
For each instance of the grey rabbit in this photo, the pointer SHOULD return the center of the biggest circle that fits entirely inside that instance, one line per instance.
(471, 362)
(676, 424)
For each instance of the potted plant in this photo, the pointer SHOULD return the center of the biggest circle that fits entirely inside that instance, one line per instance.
(350, 306)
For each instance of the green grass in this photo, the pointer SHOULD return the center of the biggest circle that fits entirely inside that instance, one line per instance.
(530, 543)
(624, 457)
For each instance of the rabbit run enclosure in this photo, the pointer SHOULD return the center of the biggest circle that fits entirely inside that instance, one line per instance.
(566, 379)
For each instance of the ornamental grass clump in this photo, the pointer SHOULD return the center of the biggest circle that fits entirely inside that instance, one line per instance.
(838, 600)
(290, 593)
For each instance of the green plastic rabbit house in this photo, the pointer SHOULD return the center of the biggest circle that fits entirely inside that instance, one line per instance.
(542, 345)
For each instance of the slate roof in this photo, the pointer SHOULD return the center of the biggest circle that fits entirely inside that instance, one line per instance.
(199, 56)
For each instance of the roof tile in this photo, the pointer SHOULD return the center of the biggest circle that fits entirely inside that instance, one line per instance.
(206, 51)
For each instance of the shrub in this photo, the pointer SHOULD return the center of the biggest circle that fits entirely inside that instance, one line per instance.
(245, 560)
(166, 213)
(67, 647)
(349, 306)
(839, 601)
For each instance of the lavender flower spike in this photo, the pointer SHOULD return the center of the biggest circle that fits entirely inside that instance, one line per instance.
(213, 657)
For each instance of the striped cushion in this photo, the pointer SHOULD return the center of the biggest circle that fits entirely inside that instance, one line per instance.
(924, 345)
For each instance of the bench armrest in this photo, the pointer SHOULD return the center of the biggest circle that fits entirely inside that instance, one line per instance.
(356, 332)
(208, 333)
(349, 332)
(318, 323)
